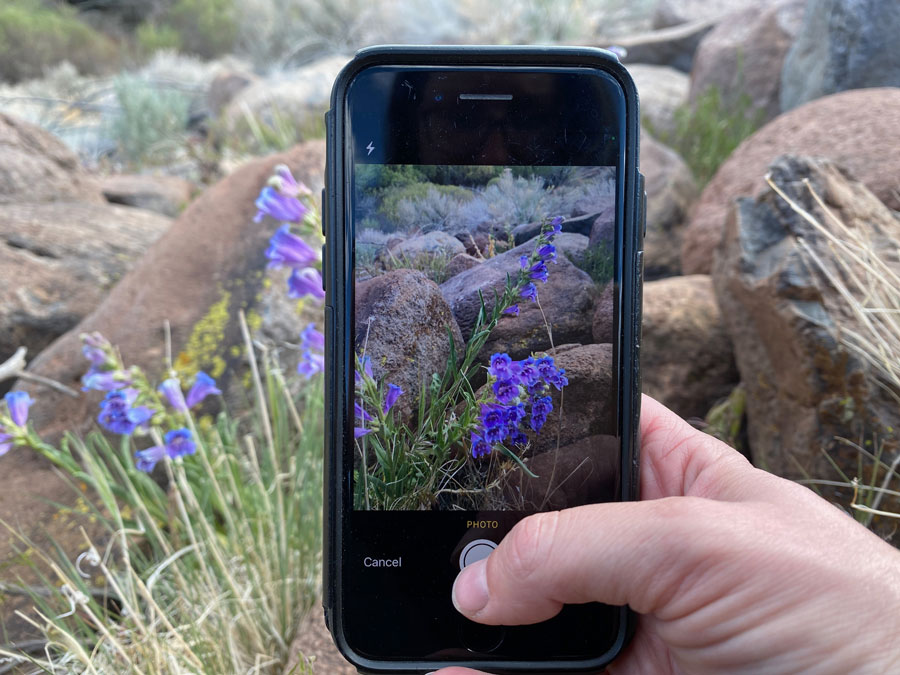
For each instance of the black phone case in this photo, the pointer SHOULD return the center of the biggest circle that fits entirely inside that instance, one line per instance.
(335, 260)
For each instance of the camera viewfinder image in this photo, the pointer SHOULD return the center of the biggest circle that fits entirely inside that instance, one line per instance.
(484, 335)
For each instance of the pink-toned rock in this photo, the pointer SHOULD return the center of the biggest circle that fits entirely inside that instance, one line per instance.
(35, 166)
(805, 387)
(849, 128)
(60, 259)
(167, 195)
(744, 56)
(686, 356)
(670, 191)
(402, 320)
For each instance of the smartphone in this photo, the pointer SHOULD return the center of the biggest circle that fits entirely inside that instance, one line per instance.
(484, 227)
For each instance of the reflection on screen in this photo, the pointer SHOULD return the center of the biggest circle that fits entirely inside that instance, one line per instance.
(483, 335)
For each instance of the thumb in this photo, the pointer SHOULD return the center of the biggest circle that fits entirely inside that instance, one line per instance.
(643, 554)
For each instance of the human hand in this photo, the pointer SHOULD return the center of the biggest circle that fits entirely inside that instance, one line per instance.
(731, 569)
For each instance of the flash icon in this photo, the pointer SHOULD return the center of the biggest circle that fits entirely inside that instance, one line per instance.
(370, 147)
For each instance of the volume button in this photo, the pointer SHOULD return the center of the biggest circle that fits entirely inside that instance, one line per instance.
(324, 212)
(324, 259)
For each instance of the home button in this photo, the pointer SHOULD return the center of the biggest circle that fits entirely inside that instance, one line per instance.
(481, 639)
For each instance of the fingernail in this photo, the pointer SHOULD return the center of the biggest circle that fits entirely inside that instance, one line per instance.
(470, 591)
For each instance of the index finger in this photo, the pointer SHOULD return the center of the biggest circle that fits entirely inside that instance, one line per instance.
(677, 459)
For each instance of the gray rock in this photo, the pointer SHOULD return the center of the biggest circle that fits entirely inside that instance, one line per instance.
(670, 192)
(662, 90)
(686, 356)
(435, 243)
(402, 319)
(744, 56)
(789, 324)
(59, 260)
(843, 44)
(676, 12)
(566, 299)
(672, 47)
(577, 225)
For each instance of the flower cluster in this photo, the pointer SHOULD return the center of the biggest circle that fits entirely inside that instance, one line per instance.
(106, 372)
(280, 199)
(534, 267)
(312, 360)
(521, 391)
(365, 384)
(12, 425)
(131, 404)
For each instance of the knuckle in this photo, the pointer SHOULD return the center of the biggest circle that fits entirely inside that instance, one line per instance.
(530, 544)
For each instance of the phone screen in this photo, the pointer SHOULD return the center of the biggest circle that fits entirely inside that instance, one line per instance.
(485, 215)
(483, 346)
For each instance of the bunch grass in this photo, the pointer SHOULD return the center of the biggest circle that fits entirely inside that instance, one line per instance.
(212, 573)
(870, 287)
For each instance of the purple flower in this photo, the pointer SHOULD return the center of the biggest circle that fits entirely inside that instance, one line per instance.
(117, 414)
(390, 399)
(286, 184)
(537, 421)
(492, 415)
(360, 412)
(547, 252)
(480, 447)
(95, 348)
(546, 367)
(538, 389)
(203, 386)
(6, 442)
(556, 225)
(528, 372)
(496, 434)
(104, 380)
(501, 366)
(518, 438)
(179, 443)
(146, 460)
(358, 432)
(307, 281)
(538, 272)
(280, 206)
(171, 389)
(310, 338)
(514, 414)
(18, 403)
(367, 369)
(542, 406)
(310, 363)
(506, 391)
(287, 249)
(559, 379)
(512, 309)
(529, 292)
(523, 261)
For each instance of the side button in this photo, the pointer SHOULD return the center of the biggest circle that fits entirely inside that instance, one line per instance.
(324, 212)
(324, 260)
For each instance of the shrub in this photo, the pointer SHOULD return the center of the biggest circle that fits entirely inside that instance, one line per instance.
(707, 131)
(151, 122)
(421, 205)
(207, 28)
(152, 37)
(34, 36)
(597, 261)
